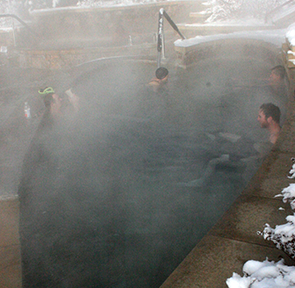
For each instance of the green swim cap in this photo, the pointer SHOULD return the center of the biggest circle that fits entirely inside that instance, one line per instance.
(45, 91)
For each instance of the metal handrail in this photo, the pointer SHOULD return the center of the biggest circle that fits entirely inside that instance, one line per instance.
(22, 22)
(161, 40)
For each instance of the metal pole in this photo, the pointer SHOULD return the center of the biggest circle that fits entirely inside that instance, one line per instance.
(160, 37)
(173, 25)
(13, 32)
(163, 45)
(22, 22)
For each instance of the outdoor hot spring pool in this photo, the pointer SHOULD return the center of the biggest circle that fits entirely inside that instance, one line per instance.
(108, 198)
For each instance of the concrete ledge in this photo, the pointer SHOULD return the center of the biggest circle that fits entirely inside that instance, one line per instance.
(234, 239)
(10, 265)
(192, 30)
(225, 46)
(248, 216)
(67, 58)
(214, 260)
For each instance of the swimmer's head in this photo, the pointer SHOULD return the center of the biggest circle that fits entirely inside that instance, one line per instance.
(162, 73)
(277, 75)
(50, 98)
(271, 110)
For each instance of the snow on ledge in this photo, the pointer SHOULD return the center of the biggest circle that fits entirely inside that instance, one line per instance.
(276, 37)
(263, 274)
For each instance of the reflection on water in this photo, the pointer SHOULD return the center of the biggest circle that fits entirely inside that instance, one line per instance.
(101, 204)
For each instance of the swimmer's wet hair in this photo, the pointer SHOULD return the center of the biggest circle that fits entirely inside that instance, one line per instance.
(161, 73)
(271, 110)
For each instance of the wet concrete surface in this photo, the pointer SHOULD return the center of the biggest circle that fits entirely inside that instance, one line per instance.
(10, 267)
(215, 259)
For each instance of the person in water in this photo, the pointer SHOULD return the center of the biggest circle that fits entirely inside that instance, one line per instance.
(156, 100)
(159, 82)
(269, 118)
(277, 79)
(52, 101)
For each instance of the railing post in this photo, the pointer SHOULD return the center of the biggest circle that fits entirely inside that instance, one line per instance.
(161, 36)
(13, 32)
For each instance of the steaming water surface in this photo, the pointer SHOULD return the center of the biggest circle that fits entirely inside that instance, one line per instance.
(104, 195)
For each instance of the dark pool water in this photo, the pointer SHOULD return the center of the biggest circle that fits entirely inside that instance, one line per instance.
(104, 195)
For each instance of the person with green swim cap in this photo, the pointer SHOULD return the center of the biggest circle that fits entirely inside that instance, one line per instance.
(52, 101)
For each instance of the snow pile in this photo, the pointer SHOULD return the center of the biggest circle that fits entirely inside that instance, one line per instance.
(268, 274)
(100, 3)
(223, 10)
(292, 171)
(263, 274)
(288, 193)
(282, 235)
(276, 37)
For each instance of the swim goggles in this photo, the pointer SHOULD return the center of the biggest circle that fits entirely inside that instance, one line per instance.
(45, 91)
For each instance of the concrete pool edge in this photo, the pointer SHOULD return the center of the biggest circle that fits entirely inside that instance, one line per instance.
(10, 250)
(233, 240)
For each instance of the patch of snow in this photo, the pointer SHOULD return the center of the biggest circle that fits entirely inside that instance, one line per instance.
(276, 37)
(6, 29)
(282, 235)
(263, 274)
(269, 274)
(236, 281)
(287, 193)
(290, 34)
